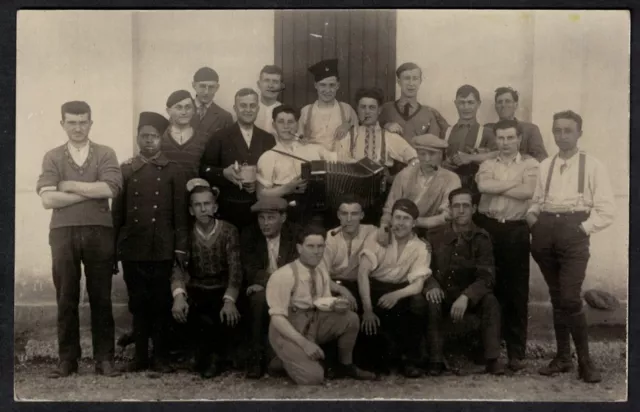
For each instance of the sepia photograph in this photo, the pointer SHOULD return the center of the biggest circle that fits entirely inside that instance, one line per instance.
(356, 204)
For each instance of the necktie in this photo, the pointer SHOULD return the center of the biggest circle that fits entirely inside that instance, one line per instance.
(312, 284)
(370, 144)
(563, 167)
(406, 110)
(202, 110)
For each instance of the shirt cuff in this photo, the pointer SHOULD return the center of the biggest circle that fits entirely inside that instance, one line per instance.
(587, 227)
(277, 311)
(372, 257)
(47, 189)
(178, 291)
(227, 297)
(412, 277)
(180, 251)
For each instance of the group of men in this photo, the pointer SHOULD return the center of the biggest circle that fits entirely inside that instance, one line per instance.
(213, 226)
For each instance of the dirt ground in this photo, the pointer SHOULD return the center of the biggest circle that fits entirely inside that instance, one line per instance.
(31, 384)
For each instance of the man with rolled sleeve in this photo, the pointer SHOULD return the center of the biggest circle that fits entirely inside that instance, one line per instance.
(297, 326)
(150, 220)
(506, 184)
(572, 200)
(77, 181)
(462, 282)
(265, 248)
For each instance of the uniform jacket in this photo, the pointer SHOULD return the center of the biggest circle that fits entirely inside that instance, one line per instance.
(216, 118)
(463, 264)
(255, 254)
(150, 213)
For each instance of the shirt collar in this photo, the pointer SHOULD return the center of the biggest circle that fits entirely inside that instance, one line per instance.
(468, 123)
(158, 160)
(402, 101)
(451, 235)
(199, 104)
(517, 159)
(71, 147)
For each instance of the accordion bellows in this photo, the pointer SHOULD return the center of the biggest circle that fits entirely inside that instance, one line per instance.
(328, 181)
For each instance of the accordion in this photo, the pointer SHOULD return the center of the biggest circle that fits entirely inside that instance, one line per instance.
(328, 181)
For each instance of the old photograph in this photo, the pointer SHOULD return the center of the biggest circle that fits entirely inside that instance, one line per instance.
(322, 204)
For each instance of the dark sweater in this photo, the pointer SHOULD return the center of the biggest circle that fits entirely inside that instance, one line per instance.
(101, 166)
(187, 155)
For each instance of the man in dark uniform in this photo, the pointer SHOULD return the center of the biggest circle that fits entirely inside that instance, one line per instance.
(150, 220)
(506, 104)
(209, 117)
(264, 249)
(462, 282)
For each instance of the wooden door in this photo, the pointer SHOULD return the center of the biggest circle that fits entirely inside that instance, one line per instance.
(364, 42)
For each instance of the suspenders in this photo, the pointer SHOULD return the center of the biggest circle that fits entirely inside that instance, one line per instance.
(296, 280)
(476, 145)
(343, 117)
(581, 173)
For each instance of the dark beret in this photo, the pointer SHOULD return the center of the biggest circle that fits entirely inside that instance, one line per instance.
(407, 206)
(599, 299)
(206, 74)
(178, 96)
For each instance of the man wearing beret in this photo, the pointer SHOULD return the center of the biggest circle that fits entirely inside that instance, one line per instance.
(209, 117)
(506, 184)
(150, 221)
(265, 249)
(462, 283)
(406, 116)
(427, 185)
(327, 120)
(181, 142)
(388, 276)
(230, 158)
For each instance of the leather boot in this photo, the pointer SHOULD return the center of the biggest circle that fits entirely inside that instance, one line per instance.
(580, 332)
(561, 363)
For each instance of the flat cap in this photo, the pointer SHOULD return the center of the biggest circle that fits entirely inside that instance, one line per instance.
(178, 96)
(406, 206)
(324, 69)
(428, 142)
(155, 120)
(270, 203)
(599, 299)
(206, 74)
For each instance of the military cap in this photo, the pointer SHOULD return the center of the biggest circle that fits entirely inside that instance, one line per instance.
(324, 69)
(428, 142)
(155, 120)
(270, 203)
(178, 96)
(599, 299)
(406, 206)
(206, 74)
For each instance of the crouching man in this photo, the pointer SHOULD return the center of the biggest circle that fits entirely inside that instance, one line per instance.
(462, 283)
(297, 326)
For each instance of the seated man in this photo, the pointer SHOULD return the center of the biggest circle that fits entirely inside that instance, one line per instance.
(264, 249)
(344, 244)
(297, 327)
(389, 276)
(462, 282)
(279, 169)
(208, 291)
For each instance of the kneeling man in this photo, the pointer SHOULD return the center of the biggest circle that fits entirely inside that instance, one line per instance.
(462, 282)
(298, 327)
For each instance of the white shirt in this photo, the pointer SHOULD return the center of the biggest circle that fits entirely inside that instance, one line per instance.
(563, 191)
(324, 122)
(396, 147)
(265, 117)
(247, 134)
(273, 247)
(280, 288)
(389, 267)
(181, 136)
(79, 155)
(341, 258)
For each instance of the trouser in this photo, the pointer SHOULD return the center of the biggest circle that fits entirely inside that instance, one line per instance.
(561, 250)
(511, 252)
(259, 320)
(92, 246)
(401, 327)
(150, 301)
(318, 327)
(489, 310)
(208, 332)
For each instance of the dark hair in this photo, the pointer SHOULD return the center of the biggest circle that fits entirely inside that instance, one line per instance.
(310, 230)
(372, 93)
(467, 89)
(75, 107)
(271, 69)
(284, 108)
(462, 191)
(204, 189)
(245, 91)
(502, 90)
(508, 124)
(406, 67)
(571, 115)
(350, 199)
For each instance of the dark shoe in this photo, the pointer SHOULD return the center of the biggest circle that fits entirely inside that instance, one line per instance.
(589, 373)
(436, 368)
(555, 367)
(135, 366)
(352, 371)
(210, 372)
(255, 369)
(64, 369)
(107, 368)
(495, 367)
(162, 366)
(126, 339)
(516, 365)
(411, 371)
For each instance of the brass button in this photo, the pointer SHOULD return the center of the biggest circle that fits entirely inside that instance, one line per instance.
(155, 206)
(157, 193)
(135, 220)
(158, 179)
(135, 208)
(135, 194)
(153, 220)
(135, 180)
